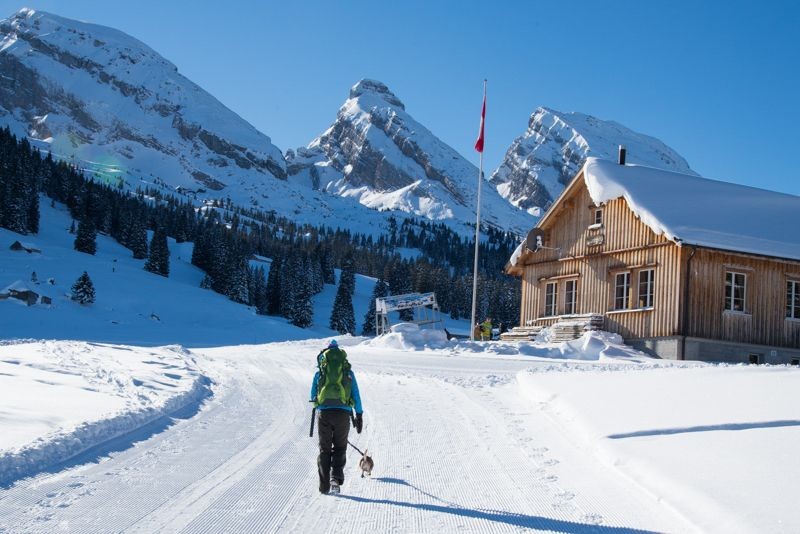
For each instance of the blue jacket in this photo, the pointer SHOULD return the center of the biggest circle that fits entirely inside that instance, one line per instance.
(353, 391)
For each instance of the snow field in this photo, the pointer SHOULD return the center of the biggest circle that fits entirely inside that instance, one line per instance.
(60, 399)
(715, 442)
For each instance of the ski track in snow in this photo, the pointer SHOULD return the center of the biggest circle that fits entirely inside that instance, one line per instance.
(455, 451)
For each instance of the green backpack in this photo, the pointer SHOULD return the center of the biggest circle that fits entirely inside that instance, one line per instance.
(334, 386)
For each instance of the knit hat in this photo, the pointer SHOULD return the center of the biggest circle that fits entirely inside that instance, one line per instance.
(333, 343)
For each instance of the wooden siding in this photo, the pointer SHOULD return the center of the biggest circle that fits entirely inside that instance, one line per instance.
(764, 320)
(628, 245)
(596, 286)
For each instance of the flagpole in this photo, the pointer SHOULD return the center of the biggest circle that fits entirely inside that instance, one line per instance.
(477, 224)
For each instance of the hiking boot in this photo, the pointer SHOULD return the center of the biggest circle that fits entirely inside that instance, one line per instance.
(335, 487)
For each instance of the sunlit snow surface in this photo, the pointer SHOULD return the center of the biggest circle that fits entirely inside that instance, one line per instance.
(589, 436)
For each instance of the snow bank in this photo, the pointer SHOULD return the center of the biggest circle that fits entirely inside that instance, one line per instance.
(409, 336)
(594, 345)
(61, 398)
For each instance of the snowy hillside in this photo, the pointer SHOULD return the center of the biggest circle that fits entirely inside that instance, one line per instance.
(101, 98)
(540, 162)
(133, 306)
(377, 153)
(137, 307)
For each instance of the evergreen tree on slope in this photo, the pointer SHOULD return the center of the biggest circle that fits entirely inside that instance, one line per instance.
(83, 289)
(380, 290)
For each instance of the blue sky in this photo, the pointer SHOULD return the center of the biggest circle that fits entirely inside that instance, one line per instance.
(717, 81)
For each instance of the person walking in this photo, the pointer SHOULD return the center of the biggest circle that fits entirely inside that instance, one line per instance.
(486, 329)
(334, 392)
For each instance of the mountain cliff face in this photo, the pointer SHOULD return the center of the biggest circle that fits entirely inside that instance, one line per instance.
(110, 104)
(547, 156)
(377, 153)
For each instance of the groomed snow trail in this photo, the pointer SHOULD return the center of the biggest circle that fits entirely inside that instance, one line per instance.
(456, 448)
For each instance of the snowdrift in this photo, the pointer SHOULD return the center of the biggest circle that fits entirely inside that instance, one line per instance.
(592, 346)
(61, 398)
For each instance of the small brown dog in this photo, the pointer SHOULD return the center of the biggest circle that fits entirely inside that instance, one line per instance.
(366, 464)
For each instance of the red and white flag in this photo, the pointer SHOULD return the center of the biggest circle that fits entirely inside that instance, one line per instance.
(479, 142)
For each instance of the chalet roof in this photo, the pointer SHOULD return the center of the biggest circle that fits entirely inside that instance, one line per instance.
(18, 285)
(692, 210)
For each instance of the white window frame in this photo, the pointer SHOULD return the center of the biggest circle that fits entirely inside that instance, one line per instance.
(793, 299)
(571, 306)
(626, 289)
(551, 299)
(730, 300)
(650, 288)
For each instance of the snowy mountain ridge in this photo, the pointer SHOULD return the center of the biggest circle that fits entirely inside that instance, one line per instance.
(110, 103)
(105, 101)
(541, 161)
(377, 152)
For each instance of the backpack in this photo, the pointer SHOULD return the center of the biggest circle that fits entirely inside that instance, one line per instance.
(334, 387)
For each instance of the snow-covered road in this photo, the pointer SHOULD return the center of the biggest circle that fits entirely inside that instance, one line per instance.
(457, 447)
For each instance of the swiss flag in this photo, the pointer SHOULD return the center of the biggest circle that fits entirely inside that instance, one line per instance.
(479, 142)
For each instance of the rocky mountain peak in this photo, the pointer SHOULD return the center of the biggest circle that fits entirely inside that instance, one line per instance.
(555, 145)
(379, 89)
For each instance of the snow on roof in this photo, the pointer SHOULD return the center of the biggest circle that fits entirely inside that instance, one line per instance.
(517, 254)
(18, 285)
(697, 211)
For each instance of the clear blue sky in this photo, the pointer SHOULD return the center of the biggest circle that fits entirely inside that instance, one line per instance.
(716, 80)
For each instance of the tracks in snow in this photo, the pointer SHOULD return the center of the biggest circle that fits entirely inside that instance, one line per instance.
(455, 449)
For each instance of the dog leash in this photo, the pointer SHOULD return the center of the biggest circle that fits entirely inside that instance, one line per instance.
(356, 448)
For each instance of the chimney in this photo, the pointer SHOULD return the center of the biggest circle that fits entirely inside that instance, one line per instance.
(622, 151)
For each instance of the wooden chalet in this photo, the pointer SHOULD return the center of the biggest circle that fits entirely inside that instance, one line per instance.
(680, 266)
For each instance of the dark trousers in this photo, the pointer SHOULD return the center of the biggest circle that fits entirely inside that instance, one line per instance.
(333, 428)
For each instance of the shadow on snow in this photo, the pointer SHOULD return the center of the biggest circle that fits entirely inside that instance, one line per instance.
(705, 428)
(497, 516)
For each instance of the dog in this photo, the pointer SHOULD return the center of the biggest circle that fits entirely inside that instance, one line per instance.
(366, 464)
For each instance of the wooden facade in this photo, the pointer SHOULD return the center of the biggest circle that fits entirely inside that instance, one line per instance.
(673, 291)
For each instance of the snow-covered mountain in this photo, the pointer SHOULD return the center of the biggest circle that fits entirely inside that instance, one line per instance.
(111, 104)
(377, 153)
(540, 162)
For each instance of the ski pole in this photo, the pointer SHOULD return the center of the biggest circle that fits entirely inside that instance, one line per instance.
(313, 413)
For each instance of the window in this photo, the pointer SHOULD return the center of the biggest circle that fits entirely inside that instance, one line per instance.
(570, 296)
(792, 299)
(598, 216)
(735, 291)
(646, 288)
(622, 291)
(550, 293)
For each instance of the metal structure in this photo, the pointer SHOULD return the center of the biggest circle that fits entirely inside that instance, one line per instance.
(426, 310)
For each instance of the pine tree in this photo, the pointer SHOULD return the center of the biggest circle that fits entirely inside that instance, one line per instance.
(259, 292)
(158, 260)
(83, 289)
(273, 289)
(86, 238)
(238, 289)
(342, 316)
(137, 238)
(380, 290)
(302, 313)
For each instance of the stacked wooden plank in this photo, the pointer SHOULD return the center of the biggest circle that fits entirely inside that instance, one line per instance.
(521, 333)
(574, 327)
